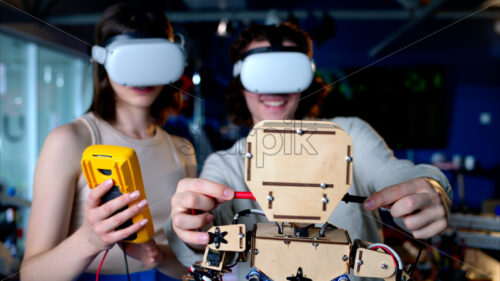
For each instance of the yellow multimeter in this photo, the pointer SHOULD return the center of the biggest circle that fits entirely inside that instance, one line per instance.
(102, 162)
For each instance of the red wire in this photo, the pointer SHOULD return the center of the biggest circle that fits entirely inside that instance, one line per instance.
(389, 252)
(100, 265)
(243, 195)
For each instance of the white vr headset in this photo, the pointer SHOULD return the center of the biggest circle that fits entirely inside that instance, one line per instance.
(266, 71)
(140, 62)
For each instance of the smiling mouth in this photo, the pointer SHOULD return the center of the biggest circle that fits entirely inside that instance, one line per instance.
(274, 103)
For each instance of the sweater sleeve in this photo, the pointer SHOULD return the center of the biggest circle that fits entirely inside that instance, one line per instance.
(375, 165)
(376, 168)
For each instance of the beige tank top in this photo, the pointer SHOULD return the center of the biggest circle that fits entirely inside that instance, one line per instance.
(164, 160)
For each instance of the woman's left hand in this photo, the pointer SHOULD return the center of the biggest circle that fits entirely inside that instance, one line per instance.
(417, 202)
(148, 253)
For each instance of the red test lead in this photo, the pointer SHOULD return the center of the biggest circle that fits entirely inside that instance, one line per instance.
(244, 195)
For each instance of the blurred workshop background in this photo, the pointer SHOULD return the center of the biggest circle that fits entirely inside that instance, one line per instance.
(424, 73)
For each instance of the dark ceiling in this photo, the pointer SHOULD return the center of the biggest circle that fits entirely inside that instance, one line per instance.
(73, 21)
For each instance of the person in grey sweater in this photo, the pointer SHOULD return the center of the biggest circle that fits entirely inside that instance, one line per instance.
(419, 195)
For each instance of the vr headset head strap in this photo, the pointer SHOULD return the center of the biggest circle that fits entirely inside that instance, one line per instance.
(127, 35)
(276, 41)
(270, 49)
(140, 20)
(274, 37)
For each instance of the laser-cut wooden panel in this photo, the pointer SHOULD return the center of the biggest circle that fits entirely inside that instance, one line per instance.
(303, 166)
(279, 257)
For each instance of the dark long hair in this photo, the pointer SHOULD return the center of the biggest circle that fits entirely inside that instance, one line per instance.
(309, 107)
(119, 19)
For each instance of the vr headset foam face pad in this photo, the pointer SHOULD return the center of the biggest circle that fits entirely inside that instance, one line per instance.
(276, 72)
(144, 62)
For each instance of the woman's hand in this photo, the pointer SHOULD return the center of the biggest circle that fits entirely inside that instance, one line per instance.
(417, 202)
(191, 206)
(101, 221)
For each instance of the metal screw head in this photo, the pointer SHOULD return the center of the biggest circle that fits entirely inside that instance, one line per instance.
(249, 155)
(300, 132)
(323, 185)
(241, 235)
(348, 158)
(360, 262)
(383, 266)
(270, 198)
(345, 257)
(256, 252)
(324, 200)
(209, 263)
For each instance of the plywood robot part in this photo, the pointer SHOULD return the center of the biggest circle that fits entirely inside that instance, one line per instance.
(298, 172)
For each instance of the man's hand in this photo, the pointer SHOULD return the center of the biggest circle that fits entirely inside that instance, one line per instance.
(191, 206)
(148, 253)
(417, 202)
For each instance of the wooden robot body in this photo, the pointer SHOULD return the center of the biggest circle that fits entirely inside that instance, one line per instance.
(298, 171)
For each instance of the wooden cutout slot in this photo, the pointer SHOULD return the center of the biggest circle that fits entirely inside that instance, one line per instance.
(270, 202)
(295, 132)
(360, 259)
(296, 217)
(249, 160)
(295, 184)
(347, 181)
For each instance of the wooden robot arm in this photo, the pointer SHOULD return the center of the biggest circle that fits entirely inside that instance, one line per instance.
(224, 239)
(220, 254)
(377, 260)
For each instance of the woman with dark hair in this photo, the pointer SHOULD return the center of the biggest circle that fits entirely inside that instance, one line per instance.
(419, 194)
(69, 229)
